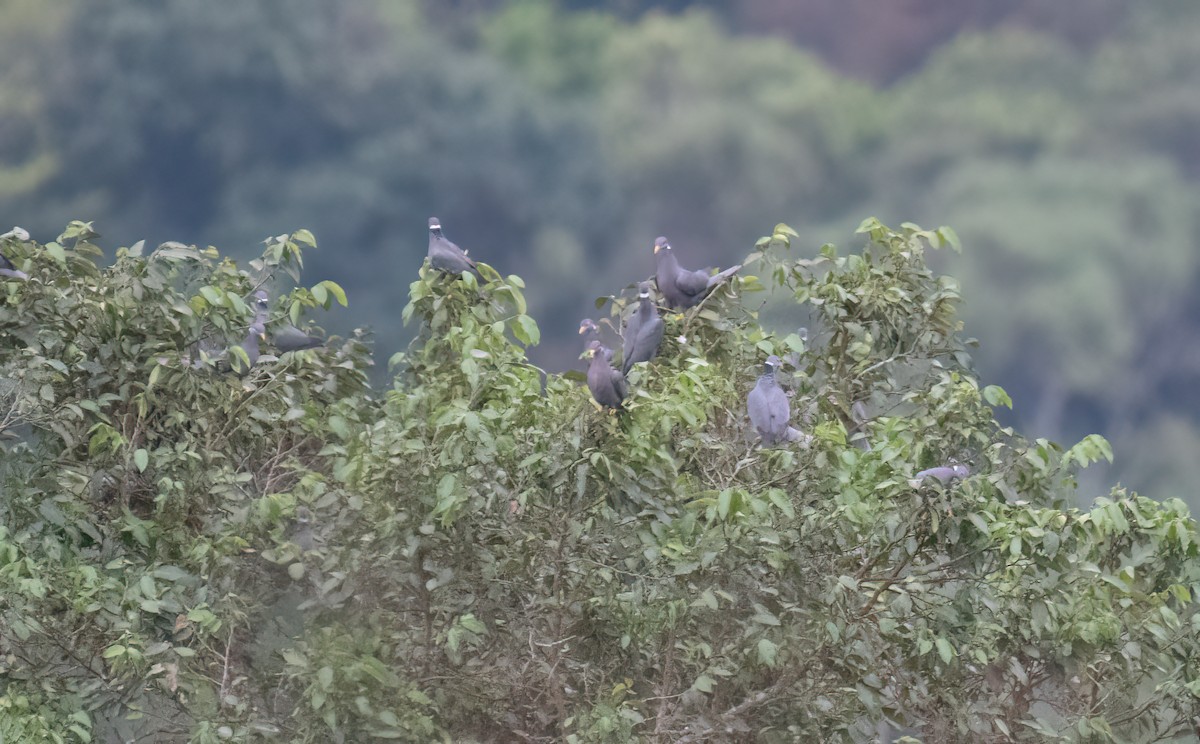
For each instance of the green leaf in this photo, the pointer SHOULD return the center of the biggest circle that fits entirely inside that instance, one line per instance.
(526, 330)
(304, 236)
(170, 573)
(214, 296)
(724, 499)
(950, 237)
(766, 652)
(944, 649)
(336, 290)
(996, 396)
(141, 459)
(782, 229)
(765, 618)
(56, 252)
(980, 525)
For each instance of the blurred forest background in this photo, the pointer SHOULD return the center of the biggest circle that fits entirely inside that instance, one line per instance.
(556, 140)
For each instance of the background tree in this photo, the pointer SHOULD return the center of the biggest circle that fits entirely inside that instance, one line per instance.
(556, 140)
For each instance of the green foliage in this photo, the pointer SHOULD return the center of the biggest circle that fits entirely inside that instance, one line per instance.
(558, 142)
(480, 553)
(138, 482)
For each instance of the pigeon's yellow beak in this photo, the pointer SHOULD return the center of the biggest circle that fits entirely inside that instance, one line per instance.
(657, 247)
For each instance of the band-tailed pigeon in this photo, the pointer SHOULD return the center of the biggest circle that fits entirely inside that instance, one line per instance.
(7, 268)
(446, 256)
(679, 287)
(286, 336)
(605, 381)
(769, 409)
(643, 331)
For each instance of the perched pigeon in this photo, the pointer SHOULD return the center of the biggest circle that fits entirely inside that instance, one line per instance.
(262, 307)
(769, 409)
(286, 336)
(679, 287)
(234, 364)
(643, 331)
(589, 330)
(605, 381)
(8, 269)
(942, 474)
(446, 256)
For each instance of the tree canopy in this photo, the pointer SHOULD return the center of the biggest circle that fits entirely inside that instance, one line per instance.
(479, 554)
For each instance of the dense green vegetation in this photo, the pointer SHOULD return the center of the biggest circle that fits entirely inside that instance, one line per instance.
(557, 141)
(478, 554)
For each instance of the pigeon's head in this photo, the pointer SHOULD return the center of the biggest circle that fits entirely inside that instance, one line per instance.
(772, 365)
(597, 349)
(587, 325)
(257, 329)
(261, 299)
(644, 290)
(660, 245)
(435, 226)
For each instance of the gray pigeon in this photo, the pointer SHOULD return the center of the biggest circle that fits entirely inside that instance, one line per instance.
(942, 474)
(605, 381)
(769, 409)
(261, 307)
(234, 364)
(286, 336)
(679, 287)
(446, 256)
(591, 332)
(643, 331)
(8, 269)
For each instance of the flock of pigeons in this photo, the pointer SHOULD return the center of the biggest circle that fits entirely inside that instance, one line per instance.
(286, 337)
(767, 404)
(680, 288)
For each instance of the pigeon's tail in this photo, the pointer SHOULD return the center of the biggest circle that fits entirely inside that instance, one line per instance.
(795, 435)
(14, 273)
(311, 344)
(719, 277)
